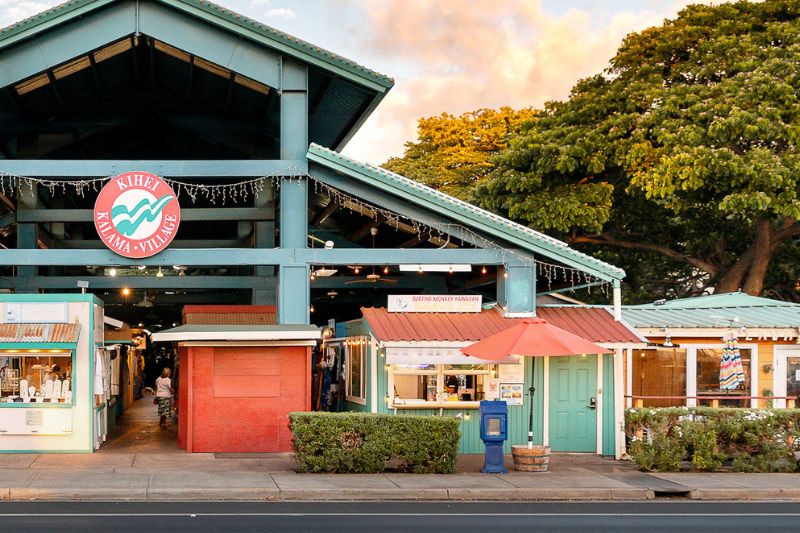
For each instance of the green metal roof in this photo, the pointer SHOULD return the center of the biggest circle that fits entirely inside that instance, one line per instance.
(216, 14)
(463, 212)
(727, 310)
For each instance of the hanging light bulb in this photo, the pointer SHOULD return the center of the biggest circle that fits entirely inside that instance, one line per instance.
(357, 270)
(311, 309)
(386, 270)
(160, 273)
(112, 272)
(450, 270)
(126, 291)
(483, 269)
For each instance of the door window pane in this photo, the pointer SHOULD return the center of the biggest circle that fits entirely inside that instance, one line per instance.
(792, 375)
(660, 372)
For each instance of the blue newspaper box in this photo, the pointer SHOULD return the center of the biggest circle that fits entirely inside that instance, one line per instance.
(494, 432)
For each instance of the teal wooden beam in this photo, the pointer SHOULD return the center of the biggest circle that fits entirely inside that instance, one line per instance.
(516, 290)
(26, 233)
(293, 288)
(67, 42)
(348, 281)
(188, 214)
(96, 244)
(171, 169)
(137, 282)
(213, 44)
(254, 256)
(380, 198)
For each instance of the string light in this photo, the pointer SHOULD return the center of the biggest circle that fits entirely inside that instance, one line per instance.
(241, 191)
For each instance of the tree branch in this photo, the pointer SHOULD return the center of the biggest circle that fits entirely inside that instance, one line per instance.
(608, 240)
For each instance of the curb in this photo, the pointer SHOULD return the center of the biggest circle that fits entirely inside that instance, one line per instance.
(335, 494)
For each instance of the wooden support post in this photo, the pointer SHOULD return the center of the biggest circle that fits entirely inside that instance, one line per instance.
(27, 198)
(516, 290)
(715, 403)
(293, 282)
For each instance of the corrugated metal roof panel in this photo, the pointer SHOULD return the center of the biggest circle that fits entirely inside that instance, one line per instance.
(232, 319)
(592, 323)
(35, 332)
(715, 311)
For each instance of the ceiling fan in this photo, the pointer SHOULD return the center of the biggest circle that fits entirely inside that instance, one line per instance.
(374, 277)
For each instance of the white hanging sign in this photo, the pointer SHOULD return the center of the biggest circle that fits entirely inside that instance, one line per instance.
(434, 303)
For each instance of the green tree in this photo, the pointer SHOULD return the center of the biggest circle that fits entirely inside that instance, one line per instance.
(686, 147)
(453, 152)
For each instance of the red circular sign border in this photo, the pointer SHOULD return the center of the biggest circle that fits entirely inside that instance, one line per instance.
(136, 248)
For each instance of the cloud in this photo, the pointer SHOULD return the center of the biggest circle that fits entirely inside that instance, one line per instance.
(12, 11)
(280, 13)
(461, 55)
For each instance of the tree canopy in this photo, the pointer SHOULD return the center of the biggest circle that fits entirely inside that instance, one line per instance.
(453, 153)
(683, 153)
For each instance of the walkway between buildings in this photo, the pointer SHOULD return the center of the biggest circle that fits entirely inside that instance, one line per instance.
(132, 474)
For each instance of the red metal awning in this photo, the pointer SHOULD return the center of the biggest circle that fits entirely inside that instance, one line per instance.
(592, 323)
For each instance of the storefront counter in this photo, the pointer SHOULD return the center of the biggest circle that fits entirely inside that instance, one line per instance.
(49, 419)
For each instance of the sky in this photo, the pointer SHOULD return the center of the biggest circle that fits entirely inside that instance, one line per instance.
(449, 56)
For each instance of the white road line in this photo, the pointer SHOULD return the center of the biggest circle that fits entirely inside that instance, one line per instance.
(198, 515)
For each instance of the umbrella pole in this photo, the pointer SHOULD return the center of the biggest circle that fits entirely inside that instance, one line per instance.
(531, 390)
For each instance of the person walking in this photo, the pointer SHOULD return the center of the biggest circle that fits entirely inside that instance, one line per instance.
(164, 394)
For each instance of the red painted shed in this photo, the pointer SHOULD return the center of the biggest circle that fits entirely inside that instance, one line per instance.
(240, 378)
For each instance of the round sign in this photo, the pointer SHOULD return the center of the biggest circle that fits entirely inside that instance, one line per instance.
(136, 214)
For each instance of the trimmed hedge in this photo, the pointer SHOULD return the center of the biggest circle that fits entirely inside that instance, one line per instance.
(705, 439)
(362, 442)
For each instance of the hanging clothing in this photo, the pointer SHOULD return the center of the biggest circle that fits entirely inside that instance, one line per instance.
(99, 373)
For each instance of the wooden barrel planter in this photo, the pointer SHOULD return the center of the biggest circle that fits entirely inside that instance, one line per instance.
(536, 459)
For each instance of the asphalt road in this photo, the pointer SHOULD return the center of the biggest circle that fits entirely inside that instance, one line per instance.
(407, 516)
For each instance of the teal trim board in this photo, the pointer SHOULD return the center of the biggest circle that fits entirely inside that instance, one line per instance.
(609, 423)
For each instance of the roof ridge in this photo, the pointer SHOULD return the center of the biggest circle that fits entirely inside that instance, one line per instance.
(510, 224)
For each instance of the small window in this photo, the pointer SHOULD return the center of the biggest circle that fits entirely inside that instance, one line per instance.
(356, 368)
(36, 377)
(440, 383)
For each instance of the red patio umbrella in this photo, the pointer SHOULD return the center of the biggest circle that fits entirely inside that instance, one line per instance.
(533, 337)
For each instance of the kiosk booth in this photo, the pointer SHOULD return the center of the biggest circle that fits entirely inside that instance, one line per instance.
(52, 382)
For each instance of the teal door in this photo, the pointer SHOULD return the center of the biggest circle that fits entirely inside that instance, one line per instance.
(573, 413)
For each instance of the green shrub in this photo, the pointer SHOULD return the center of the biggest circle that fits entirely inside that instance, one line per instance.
(362, 442)
(747, 440)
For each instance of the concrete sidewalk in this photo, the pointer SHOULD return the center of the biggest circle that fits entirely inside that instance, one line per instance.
(179, 476)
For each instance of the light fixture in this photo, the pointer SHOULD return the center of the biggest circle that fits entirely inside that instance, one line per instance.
(141, 324)
(357, 270)
(112, 272)
(505, 273)
(311, 309)
(483, 269)
(385, 270)
(313, 275)
(450, 270)
(466, 416)
(142, 267)
(160, 273)
(668, 342)
(126, 291)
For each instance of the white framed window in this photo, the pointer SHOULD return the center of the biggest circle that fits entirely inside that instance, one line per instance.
(36, 377)
(450, 385)
(356, 369)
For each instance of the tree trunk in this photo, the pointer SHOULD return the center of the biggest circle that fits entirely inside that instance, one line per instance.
(731, 279)
(763, 248)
